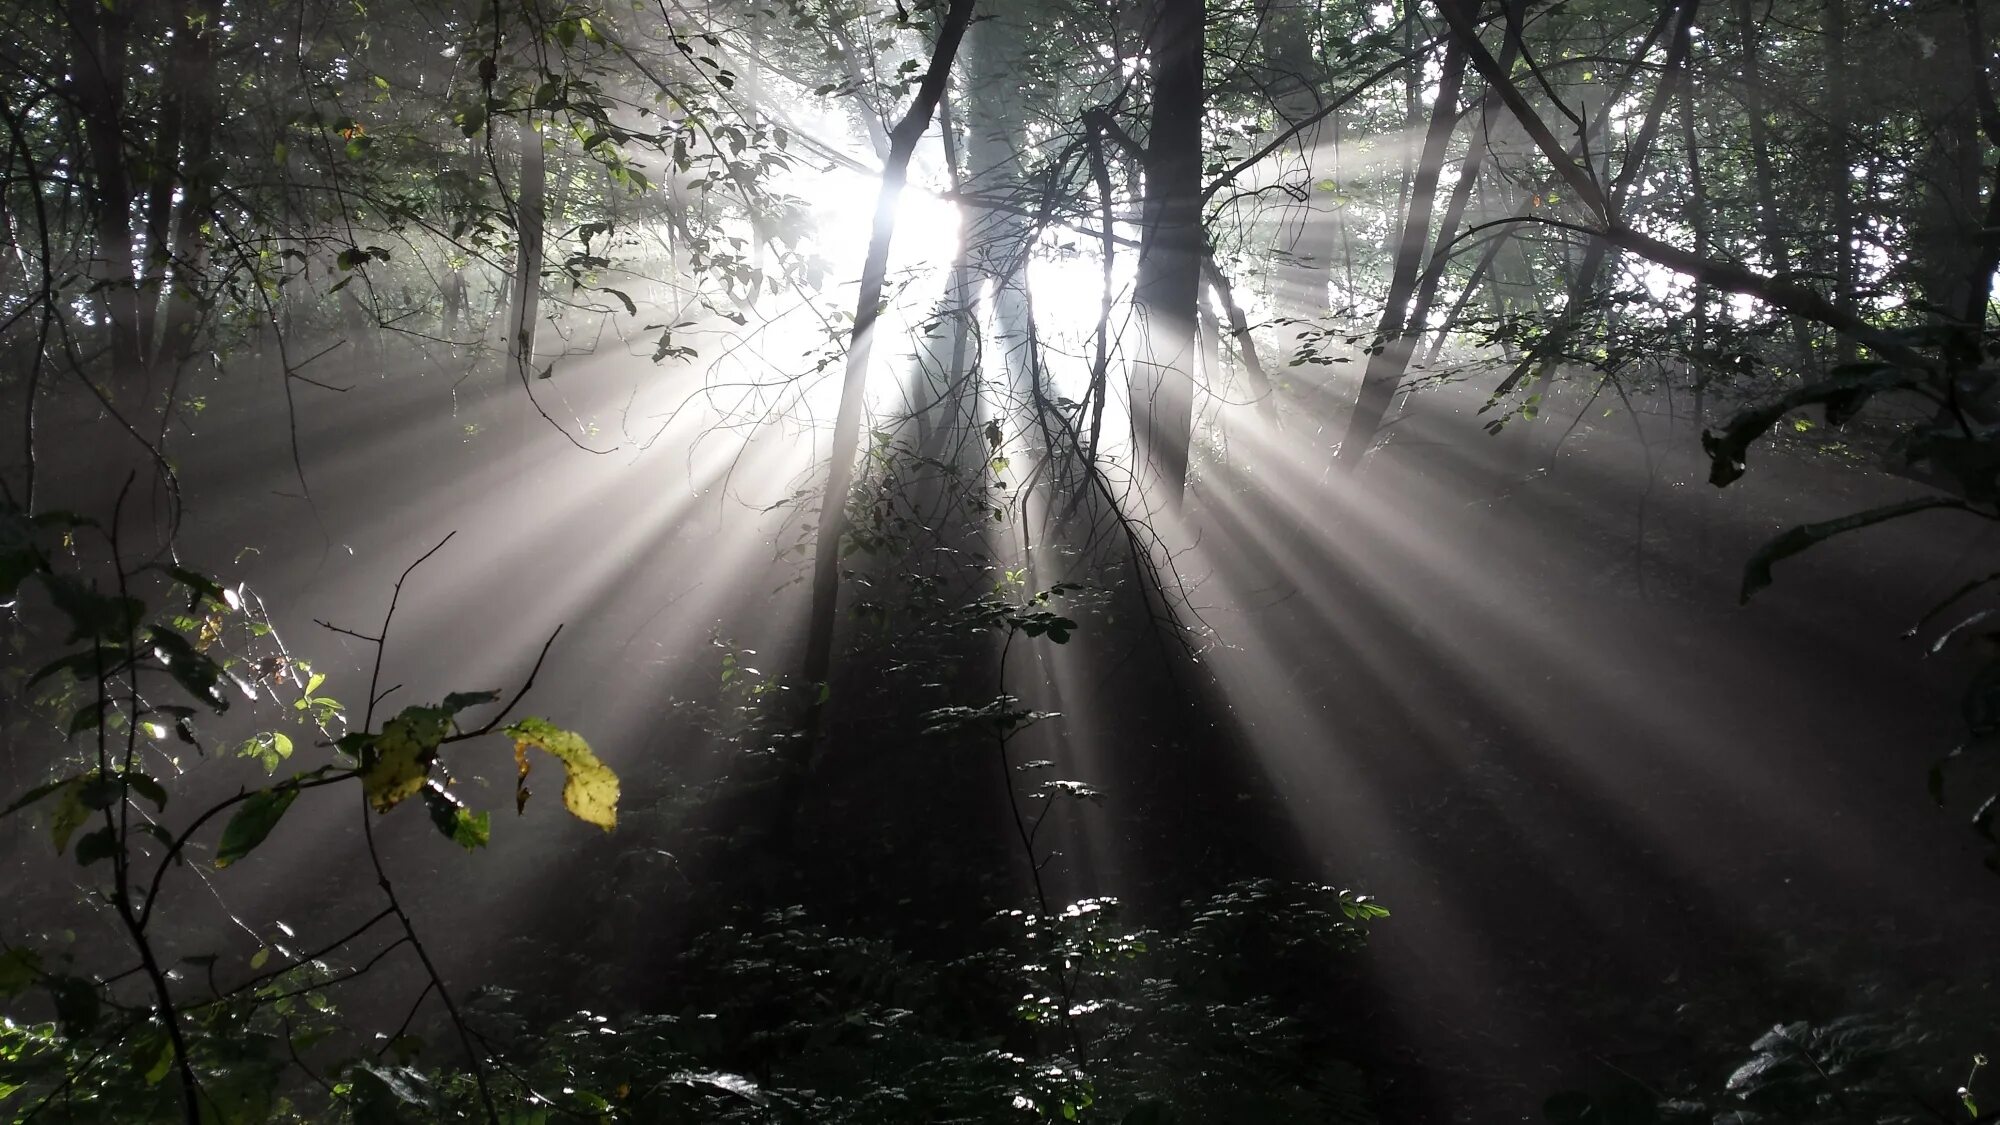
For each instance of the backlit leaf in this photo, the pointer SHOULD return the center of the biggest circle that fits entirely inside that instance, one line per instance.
(395, 762)
(460, 825)
(270, 748)
(590, 789)
(153, 1058)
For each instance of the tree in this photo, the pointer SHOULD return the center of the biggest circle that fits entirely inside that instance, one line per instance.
(915, 122)
(1164, 296)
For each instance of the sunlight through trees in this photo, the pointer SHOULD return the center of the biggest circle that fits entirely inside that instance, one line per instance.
(937, 560)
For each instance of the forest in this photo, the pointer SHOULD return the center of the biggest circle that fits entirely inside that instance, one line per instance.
(914, 561)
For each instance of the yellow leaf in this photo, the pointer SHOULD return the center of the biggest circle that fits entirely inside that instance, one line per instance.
(590, 791)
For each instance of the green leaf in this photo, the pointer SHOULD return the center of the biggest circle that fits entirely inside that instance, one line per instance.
(243, 1093)
(1076, 790)
(16, 565)
(91, 614)
(153, 1058)
(70, 812)
(195, 671)
(395, 762)
(460, 700)
(90, 716)
(35, 794)
(101, 844)
(19, 968)
(98, 793)
(165, 838)
(199, 586)
(390, 1094)
(252, 822)
(148, 788)
(272, 748)
(460, 825)
(82, 666)
(590, 791)
(77, 1004)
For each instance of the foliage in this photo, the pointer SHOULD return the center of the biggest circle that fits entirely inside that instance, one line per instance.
(785, 1020)
(111, 1048)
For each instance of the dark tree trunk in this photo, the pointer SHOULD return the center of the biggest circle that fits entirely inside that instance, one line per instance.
(102, 38)
(1777, 258)
(1840, 177)
(187, 251)
(1168, 284)
(1697, 217)
(165, 158)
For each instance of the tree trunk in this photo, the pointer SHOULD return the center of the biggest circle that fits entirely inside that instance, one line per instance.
(818, 663)
(102, 41)
(1697, 217)
(1541, 358)
(956, 402)
(165, 158)
(524, 305)
(188, 251)
(1783, 294)
(1168, 283)
(1246, 345)
(1777, 258)
(1394, 338)
(1840, 176)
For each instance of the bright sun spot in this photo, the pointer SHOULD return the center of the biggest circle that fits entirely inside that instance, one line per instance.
(1065, 275)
